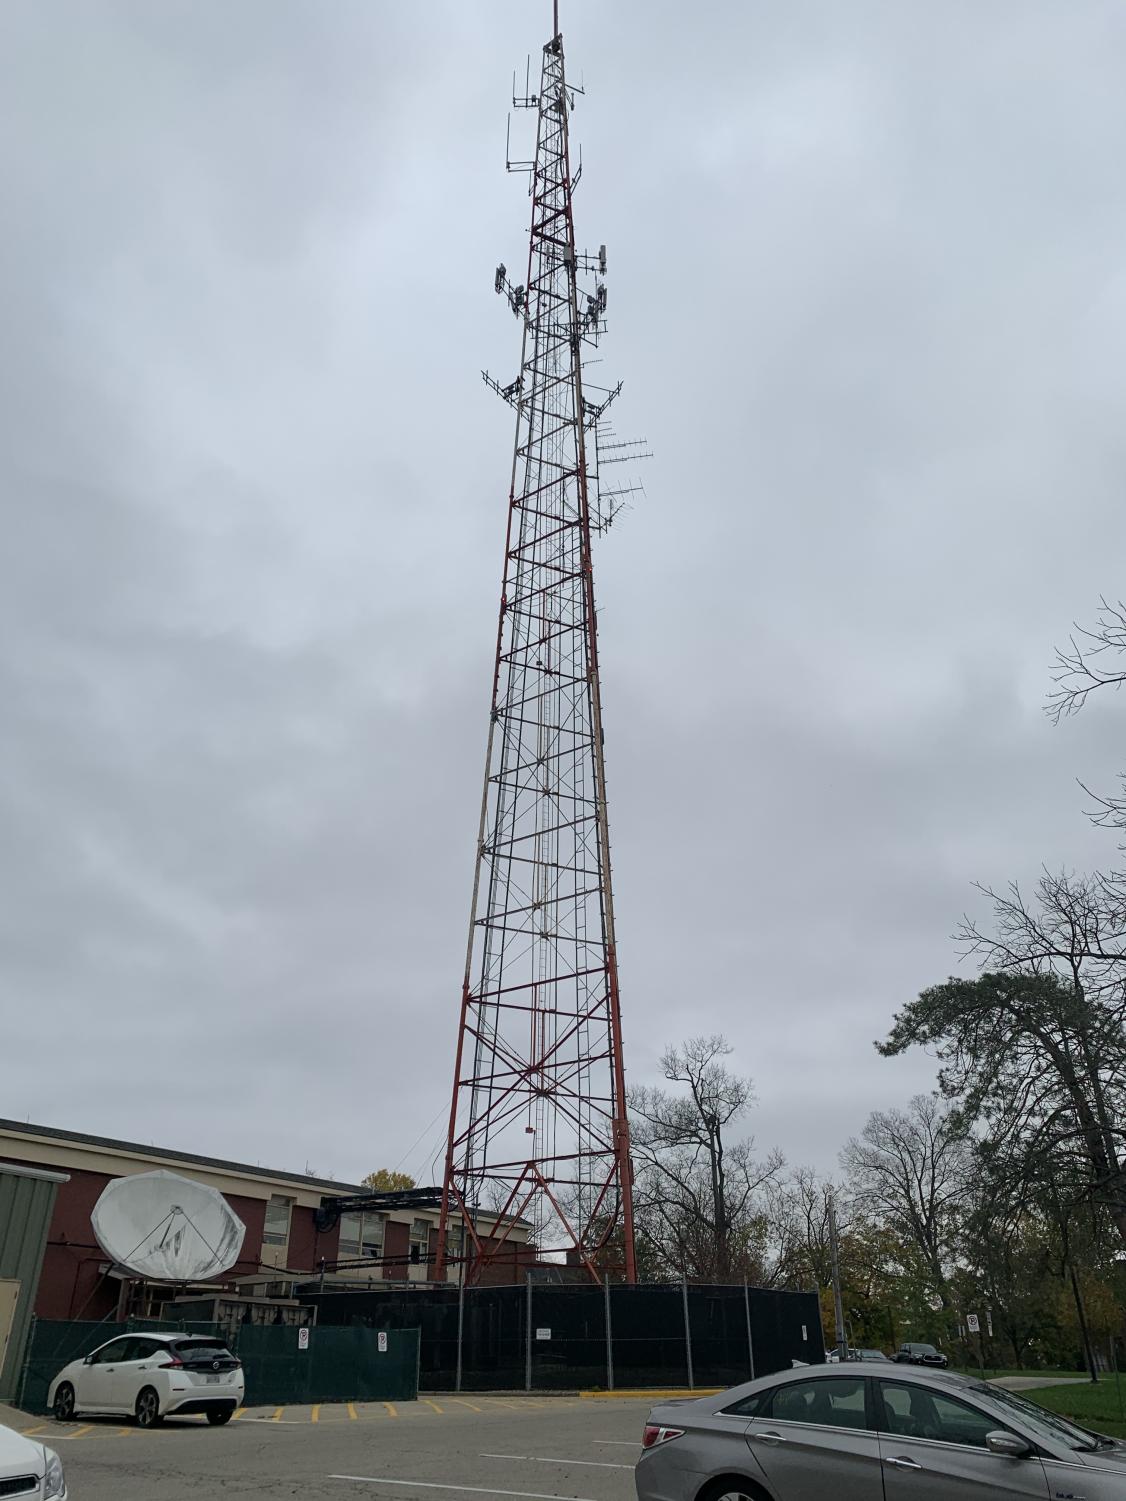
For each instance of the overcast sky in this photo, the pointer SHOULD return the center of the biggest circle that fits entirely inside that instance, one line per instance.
(868, 297)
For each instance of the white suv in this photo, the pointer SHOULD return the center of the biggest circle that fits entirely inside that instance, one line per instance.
(150, 1376)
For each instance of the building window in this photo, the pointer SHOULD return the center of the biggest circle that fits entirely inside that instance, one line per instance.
(361, 1236)
(351, 1234)
(276, 1232)
(420, 1241)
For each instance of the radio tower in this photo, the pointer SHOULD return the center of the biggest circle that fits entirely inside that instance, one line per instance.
(538, 1132)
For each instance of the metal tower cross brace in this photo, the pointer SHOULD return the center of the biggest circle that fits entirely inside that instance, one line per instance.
(538, 1131)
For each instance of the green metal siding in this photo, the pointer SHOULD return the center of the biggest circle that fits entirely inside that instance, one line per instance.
(26, 1206)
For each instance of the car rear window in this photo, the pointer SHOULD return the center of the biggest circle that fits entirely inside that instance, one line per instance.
(751, 1406)
(190, 1350)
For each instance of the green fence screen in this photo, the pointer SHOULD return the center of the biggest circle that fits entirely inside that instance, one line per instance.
(340, 1365)
(348, 1364)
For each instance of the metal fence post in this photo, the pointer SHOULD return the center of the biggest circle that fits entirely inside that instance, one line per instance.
(26, 1364)
(687, 1331)
(609, 1338)
(750, 1336)
(528, 1337)
(460, 1323)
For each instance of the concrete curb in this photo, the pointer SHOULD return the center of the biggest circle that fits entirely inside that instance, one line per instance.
(654, 1394)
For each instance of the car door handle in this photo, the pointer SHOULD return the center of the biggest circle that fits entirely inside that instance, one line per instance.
(904, 1464)
(768, 1438)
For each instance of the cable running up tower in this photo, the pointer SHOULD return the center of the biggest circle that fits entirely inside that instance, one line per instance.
(538, 1133)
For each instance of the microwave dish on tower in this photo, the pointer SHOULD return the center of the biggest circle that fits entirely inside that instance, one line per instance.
(167, 1228)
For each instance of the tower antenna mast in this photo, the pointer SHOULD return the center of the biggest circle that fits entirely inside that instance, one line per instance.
(538, 1151)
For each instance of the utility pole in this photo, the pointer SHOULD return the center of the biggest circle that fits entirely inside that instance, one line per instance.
(838, 1307)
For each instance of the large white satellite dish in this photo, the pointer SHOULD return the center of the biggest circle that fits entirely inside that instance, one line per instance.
(166, 1227)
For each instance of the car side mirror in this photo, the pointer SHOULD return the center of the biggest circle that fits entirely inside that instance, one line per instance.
(88, 1360)
(1008, 1445)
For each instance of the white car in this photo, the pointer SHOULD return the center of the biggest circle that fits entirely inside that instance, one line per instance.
(28, 1469)
(150, 1376)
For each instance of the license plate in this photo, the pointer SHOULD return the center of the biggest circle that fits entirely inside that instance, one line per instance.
(213, 1380)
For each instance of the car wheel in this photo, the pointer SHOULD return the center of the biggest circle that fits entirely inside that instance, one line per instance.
(222, 1416)
(64, 1403)
(733, 1489)
(148, 1408)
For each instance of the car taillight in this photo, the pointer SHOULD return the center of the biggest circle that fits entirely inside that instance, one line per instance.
(655, 1434)
(171, 1363)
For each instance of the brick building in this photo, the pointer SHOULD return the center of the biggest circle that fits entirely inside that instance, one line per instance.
(283, 1244)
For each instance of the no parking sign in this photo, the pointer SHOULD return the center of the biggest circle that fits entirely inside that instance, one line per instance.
(303, 1339)
(382, 1342)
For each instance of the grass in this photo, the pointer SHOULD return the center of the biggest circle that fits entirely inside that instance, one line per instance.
(1101, 1406)
(991, 1374)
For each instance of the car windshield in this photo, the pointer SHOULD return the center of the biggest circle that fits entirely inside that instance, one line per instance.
(921, 1349)
(1045, 1424)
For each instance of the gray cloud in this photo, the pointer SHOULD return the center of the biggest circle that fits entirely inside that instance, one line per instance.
(867, 295)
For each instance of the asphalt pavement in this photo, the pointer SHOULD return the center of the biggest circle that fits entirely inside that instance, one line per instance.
(440, 1448)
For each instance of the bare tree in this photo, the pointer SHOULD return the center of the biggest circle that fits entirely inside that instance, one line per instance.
(912, 1169)
(800, 1227)
(1095, 658)
(1085, 664)
(698, 1192)
(1071, 929)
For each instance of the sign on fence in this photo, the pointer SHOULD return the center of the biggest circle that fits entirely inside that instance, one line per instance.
(303, 1339)
(973, 1323)
(543, 1333)
(382, 1342)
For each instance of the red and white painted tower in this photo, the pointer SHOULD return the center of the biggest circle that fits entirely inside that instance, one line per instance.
(538, 1129)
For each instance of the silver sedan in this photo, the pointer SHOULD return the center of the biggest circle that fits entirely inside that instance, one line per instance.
(835, 1433)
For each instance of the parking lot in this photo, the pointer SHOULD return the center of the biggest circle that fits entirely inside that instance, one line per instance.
(436, 1449)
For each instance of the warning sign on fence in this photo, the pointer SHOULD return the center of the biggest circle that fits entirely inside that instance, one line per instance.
(382, 1342)
(302, 1339)
(973, 1324)
(543, 1333)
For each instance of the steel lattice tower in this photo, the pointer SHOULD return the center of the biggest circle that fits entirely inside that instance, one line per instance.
(538, 1129)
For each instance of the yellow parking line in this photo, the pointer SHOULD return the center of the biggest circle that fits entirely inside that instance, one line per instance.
(315, 1415)
(434, 1405)
(37, 1429)
(464, 1403)
(392, 1409)
(126, 1432)
(352, 1411)
(238, 1414)
(277, 1415)
(80, 1432)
